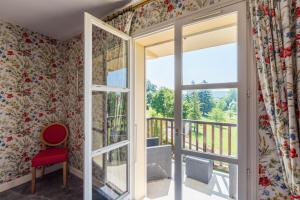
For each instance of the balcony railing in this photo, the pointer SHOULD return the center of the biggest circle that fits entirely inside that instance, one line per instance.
(214, 137)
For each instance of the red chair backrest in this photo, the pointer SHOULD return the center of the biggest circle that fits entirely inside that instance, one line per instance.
(294, 197)
(54, 134)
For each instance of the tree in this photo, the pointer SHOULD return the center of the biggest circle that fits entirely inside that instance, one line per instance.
(185, 108)
(152, 113)
(192, 105)
(232, 110)
(150, 90)
(229, 98)
(150, 87)
(217, 115)
(163, 102)
(207, 102)
(221, 104)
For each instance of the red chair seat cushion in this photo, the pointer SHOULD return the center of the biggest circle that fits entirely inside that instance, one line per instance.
(50, 156)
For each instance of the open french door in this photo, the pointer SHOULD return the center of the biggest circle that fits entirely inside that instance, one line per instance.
(223, 28)
(107, 111)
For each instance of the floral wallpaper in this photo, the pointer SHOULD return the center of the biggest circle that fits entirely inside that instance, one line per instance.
(31, 95)
(163, 10)
(72, 55)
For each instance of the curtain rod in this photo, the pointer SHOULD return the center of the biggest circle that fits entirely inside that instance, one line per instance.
(125, 9)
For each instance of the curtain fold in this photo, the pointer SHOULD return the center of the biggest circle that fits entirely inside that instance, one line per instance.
(276, 36)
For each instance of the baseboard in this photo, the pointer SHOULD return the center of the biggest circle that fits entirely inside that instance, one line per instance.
(76, 172)
(21, 180)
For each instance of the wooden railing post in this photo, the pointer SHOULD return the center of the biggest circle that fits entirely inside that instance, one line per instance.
(172, 132)
(197, 136)
(229, 140)
(183, 136)
(212, 138)
(160, 130)
(204, 137)
(152, 127)
(157, 127)
(221, 140)
(166, 131)
(190, 135)
(148, 130)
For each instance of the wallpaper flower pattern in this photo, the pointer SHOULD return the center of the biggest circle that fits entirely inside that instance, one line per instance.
(159, 11)
(276, 41)
(31, 80)
(73, 89)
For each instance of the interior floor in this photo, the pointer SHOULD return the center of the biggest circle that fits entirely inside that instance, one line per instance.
(49, 187)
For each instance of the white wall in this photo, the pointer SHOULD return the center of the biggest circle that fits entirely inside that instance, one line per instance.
(139, 100)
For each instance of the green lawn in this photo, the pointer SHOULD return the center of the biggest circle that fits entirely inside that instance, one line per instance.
(216, 139)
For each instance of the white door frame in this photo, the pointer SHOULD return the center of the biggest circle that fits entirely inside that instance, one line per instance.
(241, 85)
(89, 21)
(252, 146)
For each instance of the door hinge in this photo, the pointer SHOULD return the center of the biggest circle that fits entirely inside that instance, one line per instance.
(176, 131)
(248, 172)
(248, 93)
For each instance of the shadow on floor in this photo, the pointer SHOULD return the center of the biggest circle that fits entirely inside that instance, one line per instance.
(218, 185)
(216, 189)
(158, 188)
(49, 187)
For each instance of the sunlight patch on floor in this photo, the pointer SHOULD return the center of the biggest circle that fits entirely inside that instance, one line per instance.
(217, 189)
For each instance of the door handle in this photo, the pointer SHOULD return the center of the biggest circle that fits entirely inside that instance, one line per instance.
(177, 132)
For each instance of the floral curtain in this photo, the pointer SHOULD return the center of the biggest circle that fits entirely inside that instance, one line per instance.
(276, 35)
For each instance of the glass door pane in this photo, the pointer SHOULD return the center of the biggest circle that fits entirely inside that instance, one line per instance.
(210, 50)
(110, 59)
(107, 116)
(208, 179)
(110, 174)
(210, 120)
(209, 116)
(110, 117)
(210, 106)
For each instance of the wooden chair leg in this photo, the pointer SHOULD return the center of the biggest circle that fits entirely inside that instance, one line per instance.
(43, 170)
(65, 173)
(33, 180)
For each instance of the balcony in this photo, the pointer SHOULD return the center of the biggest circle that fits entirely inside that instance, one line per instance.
(214, 137)
(203, 136)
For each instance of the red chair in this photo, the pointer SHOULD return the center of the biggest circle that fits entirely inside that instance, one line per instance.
(294, 197)
(52, 136)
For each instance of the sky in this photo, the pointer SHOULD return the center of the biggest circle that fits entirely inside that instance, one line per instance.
(213, 65)
(117, 78)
